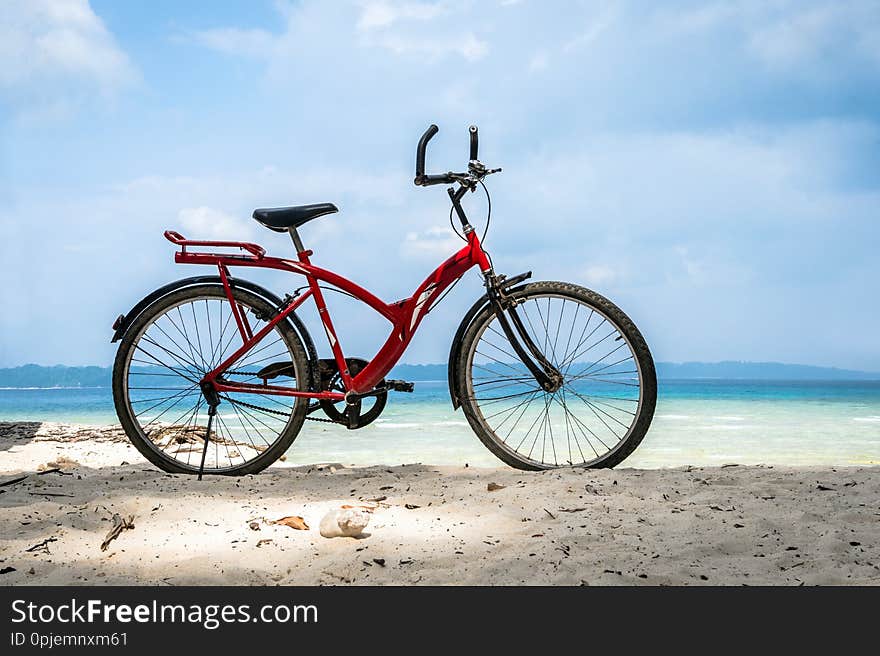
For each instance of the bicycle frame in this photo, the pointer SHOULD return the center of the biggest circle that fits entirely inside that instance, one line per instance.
(405, 315)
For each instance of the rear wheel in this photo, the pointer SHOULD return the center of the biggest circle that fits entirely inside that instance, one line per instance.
(605, 404)
(168, 350)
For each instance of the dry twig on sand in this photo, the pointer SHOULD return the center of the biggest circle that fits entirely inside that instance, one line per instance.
(119, 525)
(42, 546)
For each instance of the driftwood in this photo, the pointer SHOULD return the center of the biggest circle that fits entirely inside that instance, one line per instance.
(19, 479)
(194, 438)
(42, 546)
(119, 524)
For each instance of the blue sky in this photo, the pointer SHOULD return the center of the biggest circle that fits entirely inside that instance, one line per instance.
(711, 167)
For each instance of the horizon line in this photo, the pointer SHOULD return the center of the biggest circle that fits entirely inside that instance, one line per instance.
(443, 364)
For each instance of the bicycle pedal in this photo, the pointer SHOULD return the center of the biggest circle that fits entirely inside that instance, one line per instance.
(353, 415)
(399, 386)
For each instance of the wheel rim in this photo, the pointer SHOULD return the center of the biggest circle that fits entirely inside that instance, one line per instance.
(167, 359)
(595, 410)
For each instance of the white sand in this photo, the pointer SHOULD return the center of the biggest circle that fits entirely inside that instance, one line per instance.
(721, 525)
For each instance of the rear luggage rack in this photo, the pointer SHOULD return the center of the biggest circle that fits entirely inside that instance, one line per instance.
(183, 256)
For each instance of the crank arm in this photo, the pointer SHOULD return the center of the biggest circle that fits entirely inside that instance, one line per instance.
(353, 414)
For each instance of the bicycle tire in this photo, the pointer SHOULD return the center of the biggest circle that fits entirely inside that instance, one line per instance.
(123, 402)
(647, 394)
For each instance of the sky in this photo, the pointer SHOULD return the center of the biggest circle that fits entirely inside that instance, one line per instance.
(710, 167)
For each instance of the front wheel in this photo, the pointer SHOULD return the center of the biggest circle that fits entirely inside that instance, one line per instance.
(602, 409)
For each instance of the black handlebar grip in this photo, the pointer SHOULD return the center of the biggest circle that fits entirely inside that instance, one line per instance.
(474, 142)
(420, 151)
(440, 178)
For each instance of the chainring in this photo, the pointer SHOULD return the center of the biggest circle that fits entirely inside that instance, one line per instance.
(328, 375)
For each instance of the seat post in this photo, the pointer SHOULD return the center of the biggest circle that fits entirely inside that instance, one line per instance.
(297, 242)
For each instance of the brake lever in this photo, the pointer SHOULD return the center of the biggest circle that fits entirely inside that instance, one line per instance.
(476, 172)
(478, 169)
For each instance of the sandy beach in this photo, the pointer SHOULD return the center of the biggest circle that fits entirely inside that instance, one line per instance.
(61, 485)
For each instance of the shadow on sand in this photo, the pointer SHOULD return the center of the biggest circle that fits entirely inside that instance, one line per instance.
(16, 432)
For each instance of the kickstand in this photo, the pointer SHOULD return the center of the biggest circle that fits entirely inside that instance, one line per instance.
(212, 410)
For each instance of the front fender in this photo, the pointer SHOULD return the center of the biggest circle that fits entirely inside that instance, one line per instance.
(125, 320)
(452, 368)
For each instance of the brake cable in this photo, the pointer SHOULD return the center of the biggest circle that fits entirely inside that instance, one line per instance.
(488, 216)
(463, 238)
(488, 213)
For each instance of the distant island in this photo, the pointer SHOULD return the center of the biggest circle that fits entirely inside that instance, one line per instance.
(727, 370)
(32, 375)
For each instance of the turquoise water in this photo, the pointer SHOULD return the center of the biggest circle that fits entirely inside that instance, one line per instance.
(697, 422)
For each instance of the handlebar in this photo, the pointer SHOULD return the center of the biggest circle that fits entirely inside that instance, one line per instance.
(428, 180)
(476, 171)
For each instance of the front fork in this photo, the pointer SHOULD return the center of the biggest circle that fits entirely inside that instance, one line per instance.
(545, 373)
(547, 376)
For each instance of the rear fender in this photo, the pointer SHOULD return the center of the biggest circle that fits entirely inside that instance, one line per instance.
(124, 321)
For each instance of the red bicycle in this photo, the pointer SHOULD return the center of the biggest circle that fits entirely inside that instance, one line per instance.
(217, 374)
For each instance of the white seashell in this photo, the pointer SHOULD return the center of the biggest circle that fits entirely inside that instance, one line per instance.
(344, 522)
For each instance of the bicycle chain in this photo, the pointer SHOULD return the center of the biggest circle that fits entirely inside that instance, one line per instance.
(271, 410)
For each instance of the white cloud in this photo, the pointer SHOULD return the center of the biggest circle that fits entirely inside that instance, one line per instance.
(784, 36)
(402, 28)
(694, 268)
(433, 244)
(233, 41)
(538, 62)
(55, 42)
(467, 46)
(599, 23)
(599, 276)
(701, 19)
(209, 223)
(382, 14)
(393, 26)
(795, 39)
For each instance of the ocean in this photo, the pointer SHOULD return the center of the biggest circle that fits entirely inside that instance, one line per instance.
(697, 422)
